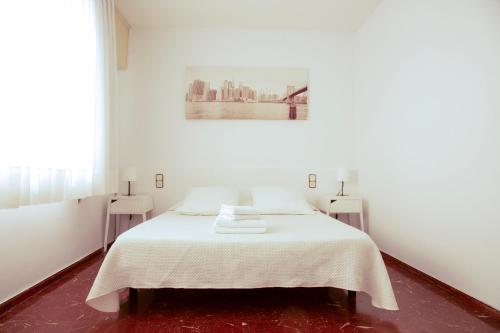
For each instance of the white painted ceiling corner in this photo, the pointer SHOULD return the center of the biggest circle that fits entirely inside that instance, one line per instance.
(320, 15)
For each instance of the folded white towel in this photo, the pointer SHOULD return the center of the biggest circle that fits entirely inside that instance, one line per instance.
(238, 210)
(222, 221)
(232, 217)
(222, 230)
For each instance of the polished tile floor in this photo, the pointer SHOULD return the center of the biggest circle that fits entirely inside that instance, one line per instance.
(425, 307)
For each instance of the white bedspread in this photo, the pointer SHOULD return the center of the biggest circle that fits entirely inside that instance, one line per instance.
(179, 251)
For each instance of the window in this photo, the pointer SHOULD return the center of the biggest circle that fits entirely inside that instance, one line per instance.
(57, 76)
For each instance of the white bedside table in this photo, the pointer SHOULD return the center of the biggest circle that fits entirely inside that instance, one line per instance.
(130, 205)
(331, 203)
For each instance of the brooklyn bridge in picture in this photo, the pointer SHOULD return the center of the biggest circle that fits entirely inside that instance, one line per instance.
(247, 93)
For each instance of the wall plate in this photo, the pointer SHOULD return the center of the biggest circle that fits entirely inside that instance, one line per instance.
(312, 180)
(159, 180)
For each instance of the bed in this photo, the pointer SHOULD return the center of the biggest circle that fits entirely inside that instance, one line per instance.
(181, 251)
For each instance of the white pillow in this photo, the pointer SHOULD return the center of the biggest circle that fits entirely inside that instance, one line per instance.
(207, 200)
(280, 200)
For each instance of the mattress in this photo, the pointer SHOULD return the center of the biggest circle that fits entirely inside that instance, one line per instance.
(180, 251)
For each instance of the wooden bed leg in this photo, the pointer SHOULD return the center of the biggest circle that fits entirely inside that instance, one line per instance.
(139, 300)
(132, 295)
(351, 300)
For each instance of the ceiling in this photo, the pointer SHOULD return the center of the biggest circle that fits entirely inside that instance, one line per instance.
(323, 15)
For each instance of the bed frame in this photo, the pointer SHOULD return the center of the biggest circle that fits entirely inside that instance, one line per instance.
(351, 297)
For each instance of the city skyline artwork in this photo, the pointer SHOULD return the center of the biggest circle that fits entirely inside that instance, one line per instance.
(268, 93)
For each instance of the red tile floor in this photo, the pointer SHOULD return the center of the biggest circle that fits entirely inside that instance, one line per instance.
(425, 307)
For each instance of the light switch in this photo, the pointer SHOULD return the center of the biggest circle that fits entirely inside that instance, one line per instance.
(312, 180)
(159, 180)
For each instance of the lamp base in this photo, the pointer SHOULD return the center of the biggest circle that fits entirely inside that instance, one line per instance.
(341, 192)
(129, 194)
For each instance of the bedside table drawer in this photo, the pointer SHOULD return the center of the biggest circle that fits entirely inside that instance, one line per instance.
(346, 206)
(131, 205)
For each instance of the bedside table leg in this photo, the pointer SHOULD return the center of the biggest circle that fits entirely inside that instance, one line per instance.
(143, 217)
(362, 220)
(117, 225)
(106, 230)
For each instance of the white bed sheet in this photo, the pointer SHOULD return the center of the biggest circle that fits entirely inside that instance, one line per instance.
(179, 251)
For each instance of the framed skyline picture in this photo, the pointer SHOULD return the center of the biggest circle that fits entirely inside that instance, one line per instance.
(273, 93)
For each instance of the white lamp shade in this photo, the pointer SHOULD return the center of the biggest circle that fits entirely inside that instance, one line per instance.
(129, 174)
(343, 175)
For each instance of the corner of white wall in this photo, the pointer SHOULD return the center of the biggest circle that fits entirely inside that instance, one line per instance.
(427, 82)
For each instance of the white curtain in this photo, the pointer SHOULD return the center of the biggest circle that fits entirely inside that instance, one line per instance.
(57, 110)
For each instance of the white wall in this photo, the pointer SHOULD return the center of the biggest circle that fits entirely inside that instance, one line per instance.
(428, 110)
(38, 241)
(155, 136)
